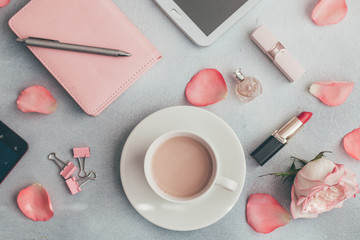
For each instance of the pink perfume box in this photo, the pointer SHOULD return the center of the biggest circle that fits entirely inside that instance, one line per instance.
(280, 56)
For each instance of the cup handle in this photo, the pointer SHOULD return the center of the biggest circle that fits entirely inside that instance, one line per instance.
(226, 183)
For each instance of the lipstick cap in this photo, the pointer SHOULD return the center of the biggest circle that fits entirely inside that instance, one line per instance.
(280, 56)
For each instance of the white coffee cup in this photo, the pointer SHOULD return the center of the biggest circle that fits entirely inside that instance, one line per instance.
(179, 160)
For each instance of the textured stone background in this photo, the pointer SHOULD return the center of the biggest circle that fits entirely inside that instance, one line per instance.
(102, 211)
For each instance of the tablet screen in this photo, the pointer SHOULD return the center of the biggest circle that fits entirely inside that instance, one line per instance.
(209, 14)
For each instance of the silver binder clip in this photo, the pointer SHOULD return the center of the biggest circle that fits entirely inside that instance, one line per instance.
(82, 153)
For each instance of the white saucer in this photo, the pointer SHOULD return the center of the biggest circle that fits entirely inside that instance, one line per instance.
(183, 216)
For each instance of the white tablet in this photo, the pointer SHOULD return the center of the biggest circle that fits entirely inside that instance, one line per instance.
(204, 21)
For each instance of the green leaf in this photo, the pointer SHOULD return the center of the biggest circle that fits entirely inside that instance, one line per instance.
(293, 167)
(320, 155)
(285, 176)
(302, 161)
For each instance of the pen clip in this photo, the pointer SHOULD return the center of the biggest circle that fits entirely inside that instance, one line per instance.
(23, 40)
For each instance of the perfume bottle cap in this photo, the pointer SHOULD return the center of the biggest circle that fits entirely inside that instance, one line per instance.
(238, 75)
(280, 56)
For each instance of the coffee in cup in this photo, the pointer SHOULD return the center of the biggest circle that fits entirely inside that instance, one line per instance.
(181, 166)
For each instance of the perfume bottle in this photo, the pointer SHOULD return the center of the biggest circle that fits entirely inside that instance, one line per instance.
(247, 88)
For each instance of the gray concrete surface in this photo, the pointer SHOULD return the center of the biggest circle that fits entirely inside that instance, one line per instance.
(102, 210)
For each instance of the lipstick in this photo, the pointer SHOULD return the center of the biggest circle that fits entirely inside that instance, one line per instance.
(279, 138)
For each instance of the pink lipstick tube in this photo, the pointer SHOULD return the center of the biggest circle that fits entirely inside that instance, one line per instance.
(279, 138)
(280, 56)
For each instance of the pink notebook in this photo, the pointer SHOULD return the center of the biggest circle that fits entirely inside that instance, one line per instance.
(94, 81)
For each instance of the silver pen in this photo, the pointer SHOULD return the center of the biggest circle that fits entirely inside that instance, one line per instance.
(54, 44)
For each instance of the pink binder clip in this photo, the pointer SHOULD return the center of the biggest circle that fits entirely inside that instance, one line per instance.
(82, 153)
(74, 186)
(67, 169)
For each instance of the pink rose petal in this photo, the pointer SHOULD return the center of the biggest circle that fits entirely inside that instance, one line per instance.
(3, 3)
(318, 173)
(352, 143)
(35, 203)
(264, 214)
(206, 87)
(36, 99)
(332, 93)
(329, 12)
